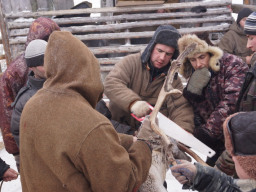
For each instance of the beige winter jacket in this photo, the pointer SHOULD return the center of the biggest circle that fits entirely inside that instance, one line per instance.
(65, 144)
(130, 81)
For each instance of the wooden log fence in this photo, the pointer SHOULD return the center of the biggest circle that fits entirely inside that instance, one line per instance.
(112, 33)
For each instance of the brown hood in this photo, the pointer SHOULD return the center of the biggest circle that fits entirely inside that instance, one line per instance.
(72, 68)
(41, 28)
(202, 47)
(246, 161)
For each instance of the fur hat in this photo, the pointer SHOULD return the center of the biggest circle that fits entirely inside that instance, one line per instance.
(250, 24)
(34, 54)
(202, 47)
(245, 12)
(240, 133)
(166, 35)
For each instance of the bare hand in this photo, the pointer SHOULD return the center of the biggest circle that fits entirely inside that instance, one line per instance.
(10, 174)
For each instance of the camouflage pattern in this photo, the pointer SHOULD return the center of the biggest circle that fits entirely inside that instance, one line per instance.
(208, 179)
(220, 95)
(15, 77)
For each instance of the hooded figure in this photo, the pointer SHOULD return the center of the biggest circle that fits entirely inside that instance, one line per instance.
(65, 144)
(138, 78)
(15, 77)
(214, 84)
(234, 41)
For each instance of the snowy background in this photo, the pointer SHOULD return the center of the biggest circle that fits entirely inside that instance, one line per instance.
(15, 186)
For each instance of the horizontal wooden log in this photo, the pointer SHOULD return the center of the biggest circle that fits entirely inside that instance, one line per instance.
(106, 69)
(125, 17)
(117, 49)
(123, 26)
(125, 35)
(107, 61)
(170, 6)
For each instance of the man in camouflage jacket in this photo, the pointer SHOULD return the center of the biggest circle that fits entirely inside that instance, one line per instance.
(215, 80)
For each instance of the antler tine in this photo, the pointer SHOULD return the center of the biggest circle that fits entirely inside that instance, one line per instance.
(168, 89)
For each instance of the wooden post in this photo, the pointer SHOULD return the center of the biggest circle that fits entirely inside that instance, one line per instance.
(4, 36)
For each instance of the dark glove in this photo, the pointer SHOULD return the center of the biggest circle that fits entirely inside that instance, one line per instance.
(225, 164)
(147, 134)
(198, 80)
(184, 171)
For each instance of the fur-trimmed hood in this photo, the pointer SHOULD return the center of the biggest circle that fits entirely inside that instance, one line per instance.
(239, 131)
(202, 47)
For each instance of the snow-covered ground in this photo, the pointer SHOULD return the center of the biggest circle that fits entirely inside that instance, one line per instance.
(15, 186)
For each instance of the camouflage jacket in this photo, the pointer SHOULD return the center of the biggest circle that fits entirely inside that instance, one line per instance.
(208, 179)
(219, 97)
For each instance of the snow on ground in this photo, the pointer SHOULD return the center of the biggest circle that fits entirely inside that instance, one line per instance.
(15, 186)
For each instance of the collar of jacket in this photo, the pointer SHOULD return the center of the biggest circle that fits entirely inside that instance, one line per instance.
(156, 72)
(35, 82)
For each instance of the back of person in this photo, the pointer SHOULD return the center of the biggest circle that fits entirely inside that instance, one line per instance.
(65, 144)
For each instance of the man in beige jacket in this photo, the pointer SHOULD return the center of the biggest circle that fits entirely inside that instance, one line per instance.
(137, 80)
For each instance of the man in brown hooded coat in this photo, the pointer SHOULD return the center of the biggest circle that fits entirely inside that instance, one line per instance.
(65, 144)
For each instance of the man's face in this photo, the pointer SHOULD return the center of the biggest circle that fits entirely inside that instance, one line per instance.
(242, 22)
(161, 55)
(39, 72)
(251, 42)
(200, 60)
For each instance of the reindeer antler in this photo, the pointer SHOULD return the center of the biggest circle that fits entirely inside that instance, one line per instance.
(166, 90)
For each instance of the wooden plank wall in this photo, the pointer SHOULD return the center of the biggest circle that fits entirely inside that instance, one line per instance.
(16, 6)
(126, 30)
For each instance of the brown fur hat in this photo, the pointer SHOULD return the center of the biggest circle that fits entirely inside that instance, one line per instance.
(202, 47)
(240, 131)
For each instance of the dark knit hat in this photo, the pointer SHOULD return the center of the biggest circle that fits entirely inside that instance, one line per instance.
(166, 35)
(250, 24)
(240, 133)
(34, 54)
(245, 12)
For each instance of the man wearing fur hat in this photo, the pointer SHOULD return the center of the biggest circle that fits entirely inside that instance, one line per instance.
(34, 57)
(215, 80)
(138, 78)
(240, 134)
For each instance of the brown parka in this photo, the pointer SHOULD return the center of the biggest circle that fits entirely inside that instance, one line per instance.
(235, 41)
(129, 81)
(65, 144)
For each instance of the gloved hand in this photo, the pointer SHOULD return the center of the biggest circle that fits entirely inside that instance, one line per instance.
(184, 171)
(140, 108)
(225, 164)
(172, 150)
(147, 134)
(198, 80)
